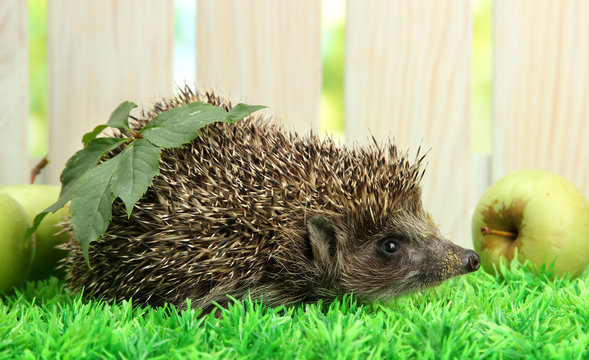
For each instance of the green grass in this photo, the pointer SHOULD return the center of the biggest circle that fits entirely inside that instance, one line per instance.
(523, 316)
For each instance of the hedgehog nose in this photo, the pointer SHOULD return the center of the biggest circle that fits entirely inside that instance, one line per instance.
(473, 261)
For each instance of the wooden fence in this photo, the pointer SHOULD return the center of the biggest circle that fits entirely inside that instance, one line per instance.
(407, 75)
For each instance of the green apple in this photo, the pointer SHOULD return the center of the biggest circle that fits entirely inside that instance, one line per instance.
(542, 215)
(15, 253)
(34, 199)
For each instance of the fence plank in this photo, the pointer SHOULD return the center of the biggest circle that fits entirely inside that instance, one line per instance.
(101, 53)
(263, 51)
(14, 107)
(541, 87)
(408, 76)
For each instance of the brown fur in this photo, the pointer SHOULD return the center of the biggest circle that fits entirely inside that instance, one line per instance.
(251, 208)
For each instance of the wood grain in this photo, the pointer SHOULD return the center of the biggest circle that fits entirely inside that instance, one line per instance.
(101, 53)
(407, 77)
(541, 88)
(14, 107)
(264, 52)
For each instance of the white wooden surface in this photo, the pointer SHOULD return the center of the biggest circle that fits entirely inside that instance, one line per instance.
(408, 76)
(541, 88)
(101, 53)
(265, 52)
(14, 107)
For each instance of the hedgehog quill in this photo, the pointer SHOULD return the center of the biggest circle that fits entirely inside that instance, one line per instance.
(248, 209)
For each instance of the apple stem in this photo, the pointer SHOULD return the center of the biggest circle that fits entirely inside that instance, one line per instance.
(37, 169)
(488, 231)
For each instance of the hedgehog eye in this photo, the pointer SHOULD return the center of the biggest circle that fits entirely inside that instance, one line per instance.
(389, 246)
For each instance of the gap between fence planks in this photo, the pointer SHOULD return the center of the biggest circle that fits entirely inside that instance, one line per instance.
(14, 86)
(408, 76)
(101, 53)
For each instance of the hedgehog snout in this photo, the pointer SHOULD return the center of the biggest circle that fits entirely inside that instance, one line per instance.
(457, 260)
(472, 260)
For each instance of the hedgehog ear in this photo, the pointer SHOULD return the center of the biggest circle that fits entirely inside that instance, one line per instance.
(322, 235)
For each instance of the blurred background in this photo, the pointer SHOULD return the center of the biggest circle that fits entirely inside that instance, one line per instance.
(333, 50)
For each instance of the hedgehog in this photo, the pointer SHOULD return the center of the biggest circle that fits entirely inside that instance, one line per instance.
(249, 209)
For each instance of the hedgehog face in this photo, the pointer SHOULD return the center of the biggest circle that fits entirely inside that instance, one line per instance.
(379, 260)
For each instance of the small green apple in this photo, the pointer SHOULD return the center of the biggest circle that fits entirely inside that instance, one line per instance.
(34, 199)
(543, 215)
(15, 253)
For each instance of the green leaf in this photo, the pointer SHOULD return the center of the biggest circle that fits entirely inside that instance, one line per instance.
(81, 162)
(242, 110)
(89, 136)
(84, 160)
(118, 119)
(138, 165)
(91, 203)
(178, 126)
